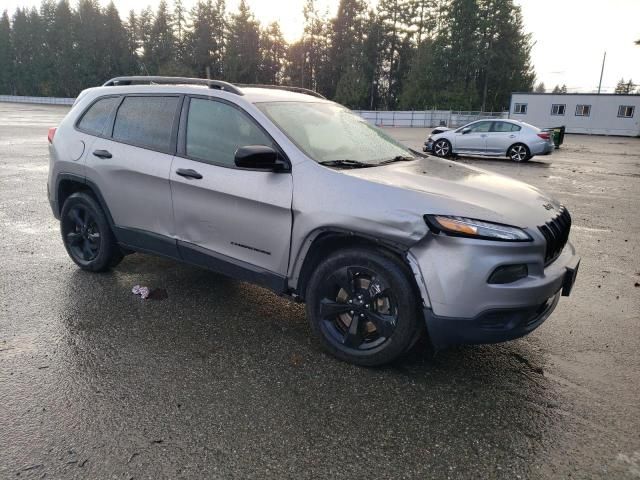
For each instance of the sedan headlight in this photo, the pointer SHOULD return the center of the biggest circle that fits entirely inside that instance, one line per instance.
(469, 227)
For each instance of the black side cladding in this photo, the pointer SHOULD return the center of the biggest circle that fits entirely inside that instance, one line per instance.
(556, 233)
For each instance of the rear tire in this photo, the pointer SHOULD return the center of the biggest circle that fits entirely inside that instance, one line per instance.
(442, 148)
(373, 290)
(86, 234)
(519, 152)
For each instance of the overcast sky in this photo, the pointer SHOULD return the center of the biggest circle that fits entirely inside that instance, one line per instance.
(570, 35)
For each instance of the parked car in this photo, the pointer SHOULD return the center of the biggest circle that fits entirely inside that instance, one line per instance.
(494, 138)
(299, 195)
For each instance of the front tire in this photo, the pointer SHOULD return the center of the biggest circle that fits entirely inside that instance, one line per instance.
(442, 148)
(86, 234)
(362, 307)
(519, 152)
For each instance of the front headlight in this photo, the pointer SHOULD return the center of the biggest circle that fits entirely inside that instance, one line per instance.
(469, 227)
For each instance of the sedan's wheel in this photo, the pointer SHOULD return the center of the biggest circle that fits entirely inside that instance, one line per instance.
(442, 148)
(362, 307)
(518, 153)
(86, 234)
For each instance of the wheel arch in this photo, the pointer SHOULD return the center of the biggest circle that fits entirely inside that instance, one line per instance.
(325, 241)
(68, 184)
(518, 143)
(449, 141)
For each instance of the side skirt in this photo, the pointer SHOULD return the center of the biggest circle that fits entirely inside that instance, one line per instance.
(147, 242)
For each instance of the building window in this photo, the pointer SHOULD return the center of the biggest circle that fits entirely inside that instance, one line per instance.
(583, 110)
(558, 109)
(626, 111)
(520, 108)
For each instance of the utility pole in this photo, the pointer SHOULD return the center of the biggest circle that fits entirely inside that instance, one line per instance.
(602, 71)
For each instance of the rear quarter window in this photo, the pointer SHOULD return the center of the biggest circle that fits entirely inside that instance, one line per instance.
(95, 119)
(146, 122)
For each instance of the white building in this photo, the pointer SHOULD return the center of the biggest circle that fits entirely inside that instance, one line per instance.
(604, 114)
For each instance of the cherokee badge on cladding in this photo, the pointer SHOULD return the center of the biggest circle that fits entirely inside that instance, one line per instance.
(297, 194)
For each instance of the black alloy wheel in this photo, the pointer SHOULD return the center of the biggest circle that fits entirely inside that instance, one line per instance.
(363, 306)
(86, 234)
(358, 309)
(82, 234)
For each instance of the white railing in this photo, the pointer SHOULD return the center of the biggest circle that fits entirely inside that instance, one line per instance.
(43, 100)
(425, 118)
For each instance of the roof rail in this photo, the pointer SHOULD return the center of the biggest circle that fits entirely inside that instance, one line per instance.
(215, 84)
(284, 87)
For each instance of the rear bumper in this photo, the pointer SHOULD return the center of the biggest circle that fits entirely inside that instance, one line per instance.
(462, 307)
(542, 148)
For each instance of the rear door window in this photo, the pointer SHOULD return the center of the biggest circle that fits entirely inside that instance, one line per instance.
(96, 117)
(504, 127)
(146, 122)
(215, 130)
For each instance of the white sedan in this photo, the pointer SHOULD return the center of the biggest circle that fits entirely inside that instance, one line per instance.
(495, 138)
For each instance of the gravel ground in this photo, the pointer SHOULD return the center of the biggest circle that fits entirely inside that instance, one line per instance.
(222, 379)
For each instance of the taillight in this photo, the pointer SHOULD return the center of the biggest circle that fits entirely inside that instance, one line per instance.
(52, 133)
(544, 135)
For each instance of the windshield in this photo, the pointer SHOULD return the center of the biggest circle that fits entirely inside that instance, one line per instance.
(327, 132)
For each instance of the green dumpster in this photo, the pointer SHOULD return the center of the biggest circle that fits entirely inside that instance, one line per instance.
(558, 136)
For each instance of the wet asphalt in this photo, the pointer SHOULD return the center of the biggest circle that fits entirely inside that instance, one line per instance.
(223, 380)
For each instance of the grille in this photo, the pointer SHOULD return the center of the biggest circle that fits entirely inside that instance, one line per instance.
(556, 233)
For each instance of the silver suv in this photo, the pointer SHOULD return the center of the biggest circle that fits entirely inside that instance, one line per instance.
(295, 193)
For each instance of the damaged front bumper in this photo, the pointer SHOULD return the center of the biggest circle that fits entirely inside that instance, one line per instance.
(461, 306)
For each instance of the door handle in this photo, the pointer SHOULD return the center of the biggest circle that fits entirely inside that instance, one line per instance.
(188, 173)
(512, 136)
(102, 154)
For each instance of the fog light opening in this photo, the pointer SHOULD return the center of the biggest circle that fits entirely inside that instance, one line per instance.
(508, 274)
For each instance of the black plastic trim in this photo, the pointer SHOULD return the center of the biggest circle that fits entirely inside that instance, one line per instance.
(490, 326)
(148, 242)
(231, 267)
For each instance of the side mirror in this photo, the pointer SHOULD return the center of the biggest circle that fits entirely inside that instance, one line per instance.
(260, 157)
(465, 131)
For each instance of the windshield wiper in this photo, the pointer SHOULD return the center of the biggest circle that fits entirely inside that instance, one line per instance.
(399, 158)
(345, 164)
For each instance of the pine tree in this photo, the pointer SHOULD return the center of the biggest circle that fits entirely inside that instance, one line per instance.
(145, 40)
(27, 42)
(395, 17)
(346, 50)
(63, 51)
(133, 44)
(273, 49)
(315, 44)
(540, 88)
(117, 59)
(372, 58)
(88, 32)
(204, 42)
(6, 55)
(163, 43)
(243, 51)
(625, 88)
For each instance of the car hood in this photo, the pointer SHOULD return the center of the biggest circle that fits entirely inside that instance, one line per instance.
(450, 188)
